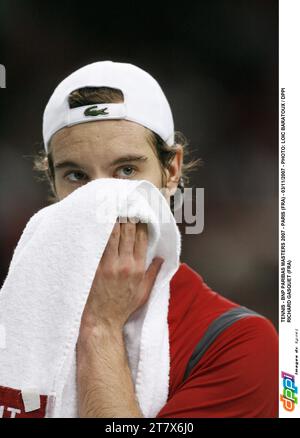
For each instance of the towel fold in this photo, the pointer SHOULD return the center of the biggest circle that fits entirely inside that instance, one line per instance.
(47, 285)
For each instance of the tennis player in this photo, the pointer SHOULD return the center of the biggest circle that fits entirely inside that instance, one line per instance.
(112, 120)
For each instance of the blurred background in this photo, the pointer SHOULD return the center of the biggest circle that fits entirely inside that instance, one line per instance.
(217, 63)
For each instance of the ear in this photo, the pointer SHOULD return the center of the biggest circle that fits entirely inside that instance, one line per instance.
(174, 171)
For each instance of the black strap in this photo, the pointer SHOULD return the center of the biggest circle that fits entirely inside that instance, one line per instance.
(214, 330)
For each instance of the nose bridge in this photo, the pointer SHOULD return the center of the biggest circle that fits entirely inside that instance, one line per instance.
(99, 172)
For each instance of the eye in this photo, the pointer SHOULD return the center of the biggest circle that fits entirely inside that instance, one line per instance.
(76, 176)
(125, 171)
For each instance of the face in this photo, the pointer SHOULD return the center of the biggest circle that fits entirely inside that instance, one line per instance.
(108, 149)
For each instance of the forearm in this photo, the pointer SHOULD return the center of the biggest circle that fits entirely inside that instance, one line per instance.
(105, 387)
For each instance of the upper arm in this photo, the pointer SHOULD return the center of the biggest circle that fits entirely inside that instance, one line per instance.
(237, 376)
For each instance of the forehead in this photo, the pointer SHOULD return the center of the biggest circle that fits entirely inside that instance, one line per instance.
(102, 136)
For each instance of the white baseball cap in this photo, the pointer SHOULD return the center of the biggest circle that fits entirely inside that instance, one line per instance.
(144, 101)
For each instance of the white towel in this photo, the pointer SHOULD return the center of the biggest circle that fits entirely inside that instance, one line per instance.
(48, 282)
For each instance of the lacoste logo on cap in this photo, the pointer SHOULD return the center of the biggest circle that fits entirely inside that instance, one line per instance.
(91, 111)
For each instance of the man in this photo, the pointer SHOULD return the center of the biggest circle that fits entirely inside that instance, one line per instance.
(113, 120)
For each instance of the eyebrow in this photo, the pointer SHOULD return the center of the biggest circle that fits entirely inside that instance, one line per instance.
(120, 160)
(64, 164)
(127, 158)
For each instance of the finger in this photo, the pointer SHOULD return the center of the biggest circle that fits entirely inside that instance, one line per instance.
(141, 242)
(152, 273)
(112, 246)
(127, 238)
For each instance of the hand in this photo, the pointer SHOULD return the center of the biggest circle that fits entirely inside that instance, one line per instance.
(121, 285)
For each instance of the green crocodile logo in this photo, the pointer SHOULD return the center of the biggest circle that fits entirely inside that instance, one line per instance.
(91, 111)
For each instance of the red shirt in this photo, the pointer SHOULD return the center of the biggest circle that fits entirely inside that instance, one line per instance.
(238, 374)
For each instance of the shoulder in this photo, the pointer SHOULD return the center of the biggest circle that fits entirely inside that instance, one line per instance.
(194, 304)
(237, 377)
(250, 342)
(244, 355)
(188, 291)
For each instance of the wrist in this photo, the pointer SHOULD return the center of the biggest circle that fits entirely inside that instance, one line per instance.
(91, 333)
(96, 345)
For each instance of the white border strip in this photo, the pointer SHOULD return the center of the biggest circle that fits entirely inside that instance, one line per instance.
(289, 208)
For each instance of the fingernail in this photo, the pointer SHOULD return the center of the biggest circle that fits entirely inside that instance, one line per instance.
(160, 260)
